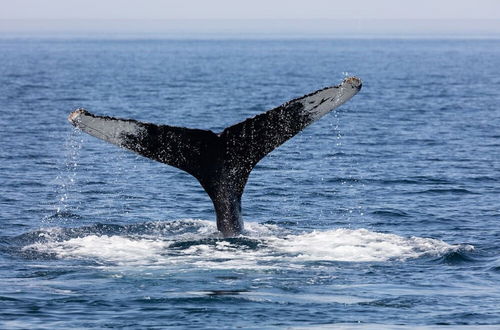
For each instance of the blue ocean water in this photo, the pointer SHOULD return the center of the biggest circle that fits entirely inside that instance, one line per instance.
(384, 213)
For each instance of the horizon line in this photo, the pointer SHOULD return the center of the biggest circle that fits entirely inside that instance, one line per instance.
(306, 28)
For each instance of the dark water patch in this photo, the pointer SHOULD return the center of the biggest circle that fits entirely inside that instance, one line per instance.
(26, 184)
(7, 199)
(48, 274)
(483, 179)
(32, 253)
(64, 215)
(398, 303)
(344, 180)
(495, 269)
(439, 219)
(456, 258)
(341, 154)
(227, 277)
(273, 192)
(465, 318)
(281, 223)
(443, 191)
(80, 300)
(17, 75)
(45, 162)
(431, 180)
(426, 142)
(390, 213)
(95, 182)
(5, 298)
(34, 86)
(225, 292)
(26, 156)
(239, 243)
(99, 192)
(4, 240)
(71, 99)
(190, 300)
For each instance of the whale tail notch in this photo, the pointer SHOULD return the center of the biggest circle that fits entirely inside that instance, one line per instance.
(221, 162)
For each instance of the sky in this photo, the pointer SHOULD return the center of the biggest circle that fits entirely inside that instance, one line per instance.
(256, 16)
(255, 9)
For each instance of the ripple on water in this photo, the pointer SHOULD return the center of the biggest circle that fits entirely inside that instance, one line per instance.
(457, 257)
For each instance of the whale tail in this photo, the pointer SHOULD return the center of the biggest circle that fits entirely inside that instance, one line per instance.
(221, 162)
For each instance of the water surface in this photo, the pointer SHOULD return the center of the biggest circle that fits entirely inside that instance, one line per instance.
(383, 213)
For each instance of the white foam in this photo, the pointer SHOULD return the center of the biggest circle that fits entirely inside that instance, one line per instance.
(358, 245)
(115, 249)
(261, 247)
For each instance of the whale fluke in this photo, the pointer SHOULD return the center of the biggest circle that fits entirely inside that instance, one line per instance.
(221, 162)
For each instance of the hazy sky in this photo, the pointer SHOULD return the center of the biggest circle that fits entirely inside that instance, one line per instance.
(444, 13)
(249, 9)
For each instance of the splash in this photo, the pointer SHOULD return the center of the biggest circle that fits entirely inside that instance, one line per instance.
(67, 179)
(196, 243)
(359, 245)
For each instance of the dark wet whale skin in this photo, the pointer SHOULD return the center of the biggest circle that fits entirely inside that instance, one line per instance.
(221, 162)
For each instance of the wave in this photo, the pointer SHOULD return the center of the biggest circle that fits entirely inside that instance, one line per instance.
(437, 191)
(388, 212)
(196, 243)
(456, 257)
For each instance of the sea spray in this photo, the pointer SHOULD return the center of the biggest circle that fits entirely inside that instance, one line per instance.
(66, 204)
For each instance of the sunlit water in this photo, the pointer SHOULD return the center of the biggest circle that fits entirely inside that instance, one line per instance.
(384, 213)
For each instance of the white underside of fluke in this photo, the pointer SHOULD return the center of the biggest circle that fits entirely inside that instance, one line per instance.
(110, 130)
(320, 103)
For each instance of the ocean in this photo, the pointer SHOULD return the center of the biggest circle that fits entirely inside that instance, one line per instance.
(383, 214)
